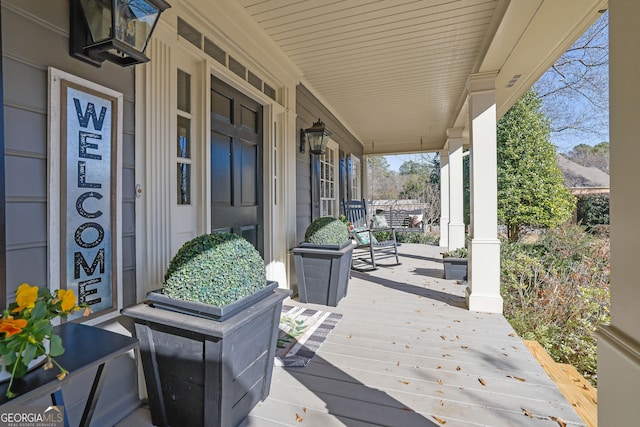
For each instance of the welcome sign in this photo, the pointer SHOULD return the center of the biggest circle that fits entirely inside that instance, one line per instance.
(85, 167)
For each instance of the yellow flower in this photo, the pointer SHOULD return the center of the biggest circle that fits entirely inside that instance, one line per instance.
(68, 298)
(26, 297)
(10, 326)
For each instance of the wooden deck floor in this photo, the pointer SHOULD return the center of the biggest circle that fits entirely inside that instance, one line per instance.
(408, 353)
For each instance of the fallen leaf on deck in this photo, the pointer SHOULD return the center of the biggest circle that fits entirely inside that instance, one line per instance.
(404, 382)
(560, 421)
(440, 382)
(444, 337)
(407, 346)
(456, 321)
(458, 368)
(417, 311)
(458, 336)
(441, 403)
(440, 391)
(350, 336)
(483, 382)
(304, 409)
(299, 418)
(439, 367)
(516, 378)
(398, 364)
(512, 335)
(527, 413)
(440, 420)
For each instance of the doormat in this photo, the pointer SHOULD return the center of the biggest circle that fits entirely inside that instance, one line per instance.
(302, 332)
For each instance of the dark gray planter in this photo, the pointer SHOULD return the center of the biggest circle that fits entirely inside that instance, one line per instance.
(323, 273)
(207, 372)
(455, 268)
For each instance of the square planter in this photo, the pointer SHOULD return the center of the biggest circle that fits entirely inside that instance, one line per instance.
(203, 369)
(322, 272)
(455, 268)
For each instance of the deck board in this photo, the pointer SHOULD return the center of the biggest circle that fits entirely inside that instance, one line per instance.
(408, 353)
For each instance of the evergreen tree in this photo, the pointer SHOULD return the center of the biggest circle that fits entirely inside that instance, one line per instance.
(531, 190)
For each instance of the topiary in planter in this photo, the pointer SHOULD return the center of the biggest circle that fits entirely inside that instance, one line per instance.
(216, 269)
(327, 231)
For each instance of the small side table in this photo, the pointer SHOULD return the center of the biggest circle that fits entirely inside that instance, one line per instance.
(85, 348)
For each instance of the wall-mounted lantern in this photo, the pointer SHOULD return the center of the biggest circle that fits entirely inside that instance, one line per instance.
(113, 30)
(318, 137)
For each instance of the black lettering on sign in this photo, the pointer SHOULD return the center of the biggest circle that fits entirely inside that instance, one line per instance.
(90, 113)
(83, 291)
(79, 261)
(82, 177)
(85, 226)
(83, 145)
(80, 202)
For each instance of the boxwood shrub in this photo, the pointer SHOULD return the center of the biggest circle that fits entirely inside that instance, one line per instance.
(327, 231)
(216, 269)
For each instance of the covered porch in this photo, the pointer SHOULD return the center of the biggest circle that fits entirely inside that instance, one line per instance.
(407, 352)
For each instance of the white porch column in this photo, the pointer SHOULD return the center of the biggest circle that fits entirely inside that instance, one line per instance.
(483, 291)
(456, 193)
(619, 343)
(444, 198)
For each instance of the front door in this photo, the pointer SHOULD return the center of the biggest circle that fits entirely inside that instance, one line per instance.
(236, 164)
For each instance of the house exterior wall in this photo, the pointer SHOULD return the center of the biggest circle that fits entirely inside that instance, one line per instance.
(35, 37)
(242, 54)
(309, 109)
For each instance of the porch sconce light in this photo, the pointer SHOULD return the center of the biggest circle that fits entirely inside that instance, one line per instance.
(113, 30)
(318, 137)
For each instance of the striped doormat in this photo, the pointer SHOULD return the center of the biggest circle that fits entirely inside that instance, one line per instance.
(302, 331)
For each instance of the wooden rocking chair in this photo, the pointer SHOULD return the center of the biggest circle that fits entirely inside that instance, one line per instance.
(362, 231)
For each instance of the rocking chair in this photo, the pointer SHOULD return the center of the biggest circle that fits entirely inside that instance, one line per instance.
(362, 233)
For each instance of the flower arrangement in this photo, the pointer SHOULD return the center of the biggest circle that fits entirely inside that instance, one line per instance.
(26, 326)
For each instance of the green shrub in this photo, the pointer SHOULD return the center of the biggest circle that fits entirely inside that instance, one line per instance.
(456, 253)
(556, 291)
(409, 237)
(593, 209)
(327, 231)
(216, 269)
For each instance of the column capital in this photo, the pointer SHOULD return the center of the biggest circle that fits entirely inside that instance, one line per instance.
(455, 133)
(482, 82)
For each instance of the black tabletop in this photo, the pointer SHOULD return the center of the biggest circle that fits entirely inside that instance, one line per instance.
(85, 347)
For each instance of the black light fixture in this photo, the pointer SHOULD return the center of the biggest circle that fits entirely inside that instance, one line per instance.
(113, 30)
(318, 137)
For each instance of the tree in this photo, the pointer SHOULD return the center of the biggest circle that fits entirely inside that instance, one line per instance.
(381, 181)
(411, 167)
(586, 155)
(531, 190)
(575, 89)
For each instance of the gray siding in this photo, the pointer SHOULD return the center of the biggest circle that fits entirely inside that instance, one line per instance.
(309, 109)
(35, 36)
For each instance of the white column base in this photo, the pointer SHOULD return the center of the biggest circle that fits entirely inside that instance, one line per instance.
(456, 236)
(618, 378)
(483, 303)
(483, 291)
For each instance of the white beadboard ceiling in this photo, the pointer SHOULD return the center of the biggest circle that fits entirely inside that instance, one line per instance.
(395, 71)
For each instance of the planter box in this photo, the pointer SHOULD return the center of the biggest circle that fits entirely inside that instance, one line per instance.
(207, 372)
(323, 273)
(455, 268)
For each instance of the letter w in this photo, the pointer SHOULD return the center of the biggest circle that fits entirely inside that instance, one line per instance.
(90, 113)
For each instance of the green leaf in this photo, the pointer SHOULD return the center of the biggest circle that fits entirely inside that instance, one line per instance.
(29, 354)
(56, 348)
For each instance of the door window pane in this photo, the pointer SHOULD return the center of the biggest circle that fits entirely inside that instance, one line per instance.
(184, 184)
